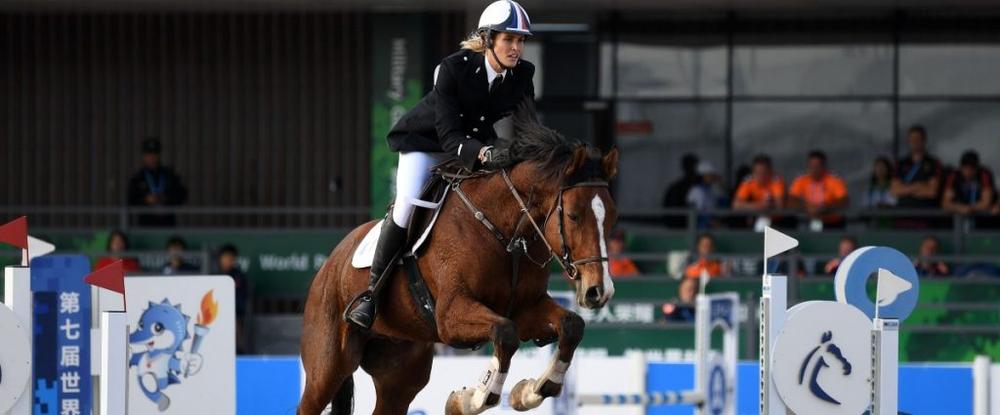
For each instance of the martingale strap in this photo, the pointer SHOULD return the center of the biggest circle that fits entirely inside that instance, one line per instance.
(478, 214)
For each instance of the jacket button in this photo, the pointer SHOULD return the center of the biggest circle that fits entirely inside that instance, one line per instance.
(461, 115)
(467, 136)
(475, 130)
(482, 118)
(465, 58)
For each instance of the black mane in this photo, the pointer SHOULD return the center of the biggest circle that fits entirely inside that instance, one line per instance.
(551, 151)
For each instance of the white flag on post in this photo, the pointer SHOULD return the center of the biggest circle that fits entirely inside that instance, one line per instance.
(889, 287)
(776, 242)
(38, 247)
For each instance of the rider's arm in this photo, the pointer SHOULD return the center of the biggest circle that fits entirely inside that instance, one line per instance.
(448, 122)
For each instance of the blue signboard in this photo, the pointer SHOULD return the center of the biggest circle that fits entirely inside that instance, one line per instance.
(61, 335)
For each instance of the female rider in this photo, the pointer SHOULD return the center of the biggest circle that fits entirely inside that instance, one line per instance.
(475, 87)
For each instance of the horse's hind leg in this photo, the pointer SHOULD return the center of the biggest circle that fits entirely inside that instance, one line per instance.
(330, 355)
(400, 370)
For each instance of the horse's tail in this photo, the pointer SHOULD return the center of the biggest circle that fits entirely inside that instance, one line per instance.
(343, 400)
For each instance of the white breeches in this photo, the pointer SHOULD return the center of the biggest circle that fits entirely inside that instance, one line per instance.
(411, 175)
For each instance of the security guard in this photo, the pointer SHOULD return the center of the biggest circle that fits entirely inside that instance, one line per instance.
(474, 88)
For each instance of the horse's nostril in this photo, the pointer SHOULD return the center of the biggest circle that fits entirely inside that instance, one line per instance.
(594, 294)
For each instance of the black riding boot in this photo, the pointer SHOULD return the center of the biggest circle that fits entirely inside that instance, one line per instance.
(390, 243)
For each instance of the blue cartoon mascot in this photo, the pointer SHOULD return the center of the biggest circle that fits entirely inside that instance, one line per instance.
(157, 349)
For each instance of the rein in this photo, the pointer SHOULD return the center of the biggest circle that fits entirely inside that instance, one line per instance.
(569, 266)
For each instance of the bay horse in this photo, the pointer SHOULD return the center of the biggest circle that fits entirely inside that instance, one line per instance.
(554, 202)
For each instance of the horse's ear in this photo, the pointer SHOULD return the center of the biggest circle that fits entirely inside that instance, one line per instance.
(610, 163)
(579, 157)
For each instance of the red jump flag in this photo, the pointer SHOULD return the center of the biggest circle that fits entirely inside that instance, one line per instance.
(110, 277)
(15, 232)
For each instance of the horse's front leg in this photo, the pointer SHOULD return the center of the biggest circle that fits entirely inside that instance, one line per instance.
(465, 322)
(546, 320)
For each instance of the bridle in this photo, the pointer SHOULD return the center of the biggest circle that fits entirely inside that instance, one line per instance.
(569, 266)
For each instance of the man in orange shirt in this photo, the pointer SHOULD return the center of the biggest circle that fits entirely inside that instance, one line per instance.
(703, 261)
(620, 265)
(763, 191)
(819, 193)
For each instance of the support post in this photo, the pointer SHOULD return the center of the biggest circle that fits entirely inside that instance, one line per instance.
(773, 309)
(981, 368)
(885, 366)
(17, 297)
(114, 367)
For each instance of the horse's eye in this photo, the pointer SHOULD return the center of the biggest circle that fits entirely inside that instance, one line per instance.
(575, 217)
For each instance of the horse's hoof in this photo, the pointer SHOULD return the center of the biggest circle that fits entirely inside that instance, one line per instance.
(453, 406)
(523, 396)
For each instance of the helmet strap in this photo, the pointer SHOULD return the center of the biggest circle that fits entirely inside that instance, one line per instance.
(489, 45)
(499, 62)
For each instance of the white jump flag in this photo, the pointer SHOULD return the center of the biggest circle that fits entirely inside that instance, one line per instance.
(38, 247)
(889, 287)
(114, 342)
(775, 243)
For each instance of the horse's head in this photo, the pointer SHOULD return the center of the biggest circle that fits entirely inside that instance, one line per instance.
(567, 186)
(583, 217)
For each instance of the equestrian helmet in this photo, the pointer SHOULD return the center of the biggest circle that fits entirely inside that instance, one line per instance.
(504, 16)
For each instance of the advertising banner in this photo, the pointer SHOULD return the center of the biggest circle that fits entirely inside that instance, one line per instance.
(62, 321)
(397, 65)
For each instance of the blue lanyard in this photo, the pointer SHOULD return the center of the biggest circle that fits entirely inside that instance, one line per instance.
(913, 171)
(155, 187)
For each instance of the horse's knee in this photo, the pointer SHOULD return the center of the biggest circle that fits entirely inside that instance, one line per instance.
(505, 338)
(572, 326)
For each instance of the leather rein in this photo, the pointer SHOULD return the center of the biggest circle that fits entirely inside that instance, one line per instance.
(569, 266)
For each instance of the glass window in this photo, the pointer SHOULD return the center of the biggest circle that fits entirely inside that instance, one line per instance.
(571, 62)
(949, 69)
(851, 134)
(578, 124)
(647, 68)
(954, 127)
(835, 70)
(653, 137)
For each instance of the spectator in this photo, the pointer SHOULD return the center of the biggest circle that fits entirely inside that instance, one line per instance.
(621, 266)
(762, 192)
(925, 263)
(970, 189)
(681, 308)
(228, 265)
(879, 194)
(117, 246)
(918, 175)
(155, 185)
(847, 245)
(709, 193)
(175, 259)
(702, 260)
(819, 193)
(677, 192)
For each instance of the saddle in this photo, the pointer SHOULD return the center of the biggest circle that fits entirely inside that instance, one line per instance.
(432, 198)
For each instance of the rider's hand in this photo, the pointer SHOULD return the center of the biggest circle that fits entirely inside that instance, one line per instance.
(493, 158)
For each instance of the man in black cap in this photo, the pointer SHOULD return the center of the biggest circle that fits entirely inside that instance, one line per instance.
(155, 185)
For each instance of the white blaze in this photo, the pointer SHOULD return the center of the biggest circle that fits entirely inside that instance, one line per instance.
(598, 206)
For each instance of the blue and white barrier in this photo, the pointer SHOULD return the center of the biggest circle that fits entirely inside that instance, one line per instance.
(715, 373)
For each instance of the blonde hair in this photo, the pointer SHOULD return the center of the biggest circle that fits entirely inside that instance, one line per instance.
(475, 42)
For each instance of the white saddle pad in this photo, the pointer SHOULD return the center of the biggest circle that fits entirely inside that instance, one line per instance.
(364, 254)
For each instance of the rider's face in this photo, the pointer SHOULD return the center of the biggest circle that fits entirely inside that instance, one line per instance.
(508, 48)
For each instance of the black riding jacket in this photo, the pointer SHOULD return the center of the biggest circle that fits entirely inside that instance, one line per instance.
(457, 116)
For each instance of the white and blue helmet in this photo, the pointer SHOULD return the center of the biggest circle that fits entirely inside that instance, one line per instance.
(505, 16)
